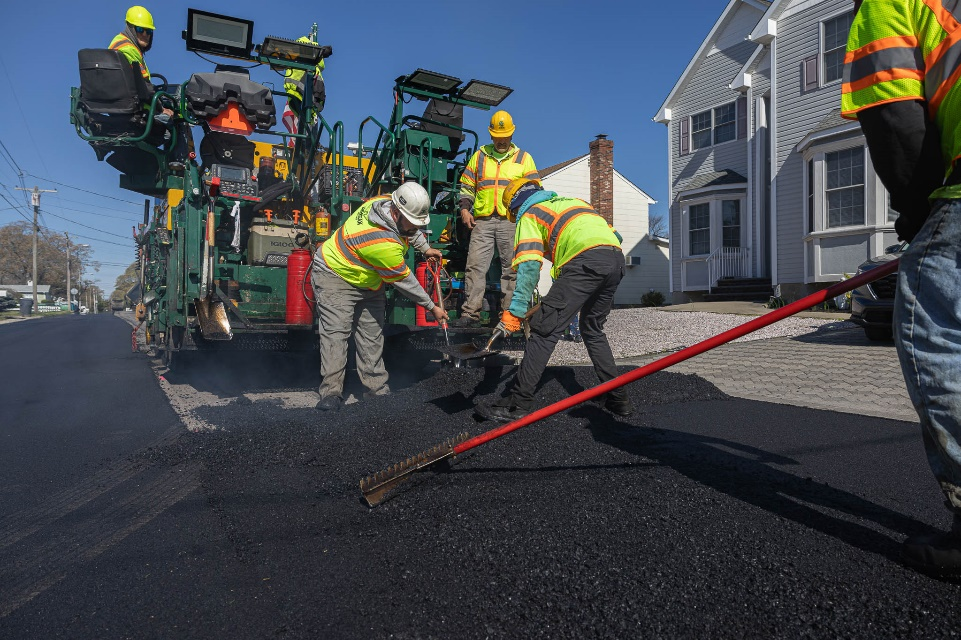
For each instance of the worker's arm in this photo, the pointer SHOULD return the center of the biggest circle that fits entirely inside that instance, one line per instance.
(468, 191)
(906, 153)
(528, 274)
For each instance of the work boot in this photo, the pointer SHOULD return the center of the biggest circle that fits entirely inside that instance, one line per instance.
(383, 391)
(330, 403)
(937, 555)
(465, 322)
(503, 410)
(619, 405)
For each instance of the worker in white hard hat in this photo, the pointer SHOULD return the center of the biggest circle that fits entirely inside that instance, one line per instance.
(135, 40)
(349, 273)
(482, 184)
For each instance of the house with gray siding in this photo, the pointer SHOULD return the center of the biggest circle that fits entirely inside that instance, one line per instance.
(766, 179)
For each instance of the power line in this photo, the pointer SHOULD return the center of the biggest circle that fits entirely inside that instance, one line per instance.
(116, 235)
(94, 193)
(103, 215)
(26, 124)
(59, 198)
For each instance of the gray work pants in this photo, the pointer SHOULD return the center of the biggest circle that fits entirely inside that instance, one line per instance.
(490, 232)
(342, 307)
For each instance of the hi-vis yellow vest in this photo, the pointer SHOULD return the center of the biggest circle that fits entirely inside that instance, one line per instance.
(907, 50)
(562, 228)
(485, 178)
(364, 254)
(131, 52)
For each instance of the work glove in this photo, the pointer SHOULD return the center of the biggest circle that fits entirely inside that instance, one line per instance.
(509, 324)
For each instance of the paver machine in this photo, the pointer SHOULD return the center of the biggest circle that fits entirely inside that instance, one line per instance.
(224, 252)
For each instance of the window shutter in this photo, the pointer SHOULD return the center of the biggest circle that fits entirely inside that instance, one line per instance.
(741, 117)
(809, 78)
(685, 135)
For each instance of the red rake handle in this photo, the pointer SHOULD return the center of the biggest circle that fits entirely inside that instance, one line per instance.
(705, 345)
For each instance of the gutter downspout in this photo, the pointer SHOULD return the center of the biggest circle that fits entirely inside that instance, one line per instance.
(751, 122)
(772, 119)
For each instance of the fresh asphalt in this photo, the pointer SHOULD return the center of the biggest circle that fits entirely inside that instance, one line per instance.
(704, 514)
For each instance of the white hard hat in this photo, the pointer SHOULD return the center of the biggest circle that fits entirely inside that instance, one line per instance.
(413, 202)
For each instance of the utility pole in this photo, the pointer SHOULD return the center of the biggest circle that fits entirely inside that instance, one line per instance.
(69, 308)
(35, 197)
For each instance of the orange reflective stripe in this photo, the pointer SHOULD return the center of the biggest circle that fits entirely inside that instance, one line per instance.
(945, 18)
(884, 76)
(878, 45)
(943, 91)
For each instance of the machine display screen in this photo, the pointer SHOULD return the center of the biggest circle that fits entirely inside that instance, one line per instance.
(232, 174)
(219, 34)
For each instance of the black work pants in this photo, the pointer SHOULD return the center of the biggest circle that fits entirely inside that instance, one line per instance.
(586, 284)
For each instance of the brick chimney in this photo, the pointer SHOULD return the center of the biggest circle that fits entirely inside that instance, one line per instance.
(602, 176)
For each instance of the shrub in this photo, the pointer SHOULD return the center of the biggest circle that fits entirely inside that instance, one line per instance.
(653, 299)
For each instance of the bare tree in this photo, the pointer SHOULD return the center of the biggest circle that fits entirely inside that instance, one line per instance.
(657, 225)
(16, 257)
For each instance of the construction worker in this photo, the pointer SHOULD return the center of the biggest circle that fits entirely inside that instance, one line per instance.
(294, 86)
(349, 273)
(135, 40)
(487, 173)
(588, 266)
(901, 82)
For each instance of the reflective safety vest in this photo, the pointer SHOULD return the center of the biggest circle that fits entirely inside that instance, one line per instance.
(562, 228)
(485, 178)
(365, 254)
(131, 52)
(907, 50)
(294, 78)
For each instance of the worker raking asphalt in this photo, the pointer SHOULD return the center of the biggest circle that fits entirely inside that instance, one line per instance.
(699, 515)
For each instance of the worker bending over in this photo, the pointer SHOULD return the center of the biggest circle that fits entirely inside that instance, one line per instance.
(588, 266)
(349, 272)
(487, 174)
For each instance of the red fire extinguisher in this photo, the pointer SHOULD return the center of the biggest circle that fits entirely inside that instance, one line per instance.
(426, 279)
(300, 296)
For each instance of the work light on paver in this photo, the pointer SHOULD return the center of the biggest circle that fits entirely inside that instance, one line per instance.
(432, 81)
(485, 92)
(218, 34)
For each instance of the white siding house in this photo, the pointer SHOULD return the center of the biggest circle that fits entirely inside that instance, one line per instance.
(766, 179)
(646, 255)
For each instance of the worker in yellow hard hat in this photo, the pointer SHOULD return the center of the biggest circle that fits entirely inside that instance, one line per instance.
(295, 87)
(588, 266)
(135, 40)
(487, 174)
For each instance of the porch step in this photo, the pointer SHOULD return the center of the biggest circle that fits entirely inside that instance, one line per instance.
(740, 289)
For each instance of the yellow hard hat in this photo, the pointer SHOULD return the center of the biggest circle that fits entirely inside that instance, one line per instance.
(140, 17)
(515, 194)
(502, 125)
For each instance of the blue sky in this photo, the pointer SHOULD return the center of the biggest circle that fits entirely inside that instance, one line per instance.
(577, 69)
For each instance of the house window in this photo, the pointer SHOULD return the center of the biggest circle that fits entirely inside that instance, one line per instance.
(725, 123)
(714, 126)
(699, 228)
(833, 45)
(810, 195)
(731, 222)
(701, 130)
(844, 172)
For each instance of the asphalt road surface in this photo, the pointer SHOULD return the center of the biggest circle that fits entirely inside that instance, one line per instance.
(702, 515)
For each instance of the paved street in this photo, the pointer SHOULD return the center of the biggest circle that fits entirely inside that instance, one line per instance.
(737, 501)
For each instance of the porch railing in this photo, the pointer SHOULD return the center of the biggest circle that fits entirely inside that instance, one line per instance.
(728, 262)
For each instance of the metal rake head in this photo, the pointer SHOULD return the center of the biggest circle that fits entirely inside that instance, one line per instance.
(376, 487)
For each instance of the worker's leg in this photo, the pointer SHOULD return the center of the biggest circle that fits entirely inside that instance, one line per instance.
(335, 317)
(596, 309)
(594, 314)
(577, 282)
(928, 337)
(479, 253)
(505, 247)
(369, 317)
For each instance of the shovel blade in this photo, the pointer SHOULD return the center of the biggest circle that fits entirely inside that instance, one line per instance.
(467, 351)
(212, 316)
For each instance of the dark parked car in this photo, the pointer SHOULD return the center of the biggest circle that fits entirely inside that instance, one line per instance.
(872, 305)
